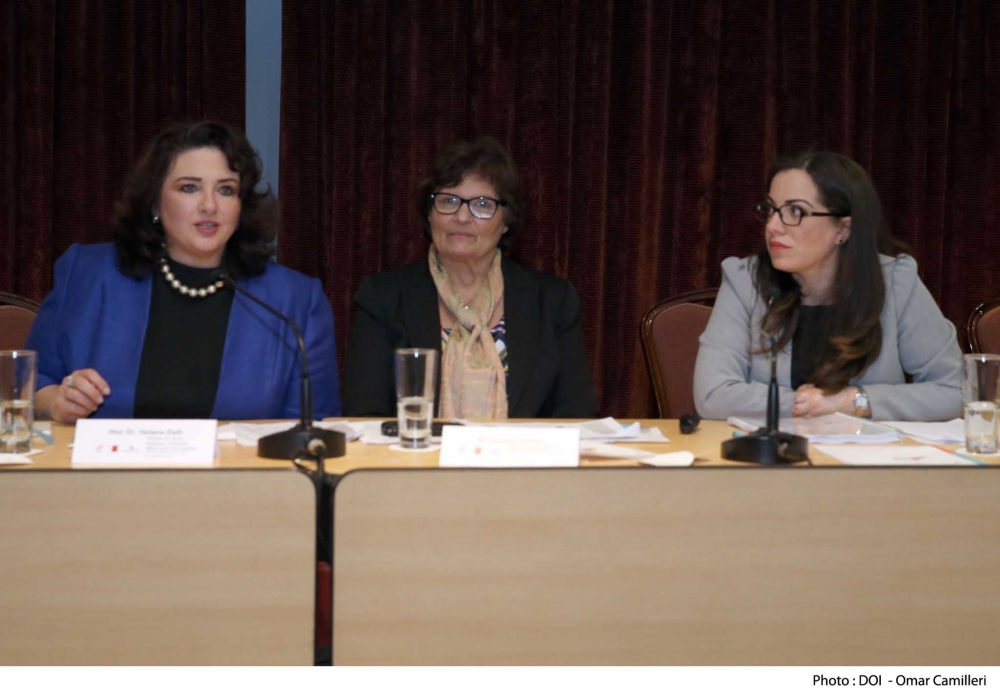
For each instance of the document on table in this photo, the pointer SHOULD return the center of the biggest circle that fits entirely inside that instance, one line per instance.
(370, 433)
(938, 432)
(608, 429)
(893, 455)
(18, 458)
(831, 428)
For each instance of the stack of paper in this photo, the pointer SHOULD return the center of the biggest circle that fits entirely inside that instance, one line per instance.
(894, 455)
(607, 430)
(831, 428)
(935, 432)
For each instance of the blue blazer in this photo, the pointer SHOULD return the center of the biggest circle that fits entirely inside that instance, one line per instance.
(96, 318)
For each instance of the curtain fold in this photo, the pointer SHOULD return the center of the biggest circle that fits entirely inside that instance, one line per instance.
(86, 85)
(643, 131)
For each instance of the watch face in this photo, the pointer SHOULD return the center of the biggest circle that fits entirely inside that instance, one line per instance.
(861, 406)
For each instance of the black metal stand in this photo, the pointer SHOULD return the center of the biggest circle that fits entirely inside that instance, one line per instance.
(299, 442)
(777, 448)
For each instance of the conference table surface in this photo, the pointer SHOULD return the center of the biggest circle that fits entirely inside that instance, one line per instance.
(704, 444)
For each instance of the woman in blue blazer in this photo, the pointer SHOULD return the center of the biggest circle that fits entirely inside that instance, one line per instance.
(145, 327)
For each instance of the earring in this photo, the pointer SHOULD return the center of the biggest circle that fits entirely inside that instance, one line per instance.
(156, 219)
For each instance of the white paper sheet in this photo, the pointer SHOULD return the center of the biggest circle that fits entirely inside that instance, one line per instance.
(607, 429)
(599, 449)
(675, 459)
(509, 447)
(145, 442)
(370, 433)
(831, 428)
(893, 455)
(938, 432)
(18, 458)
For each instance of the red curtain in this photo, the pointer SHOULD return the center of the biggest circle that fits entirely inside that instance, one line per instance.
(643, 131)
(84, 86)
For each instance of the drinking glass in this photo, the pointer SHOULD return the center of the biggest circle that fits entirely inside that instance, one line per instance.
(981, 427)
(18, 369)
(981, 392)
(416, 380)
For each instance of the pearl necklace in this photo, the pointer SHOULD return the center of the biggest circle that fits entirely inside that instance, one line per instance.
(183, 288)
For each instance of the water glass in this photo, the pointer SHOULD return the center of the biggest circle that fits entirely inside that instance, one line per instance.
(981, 378)
(18, 369)
(416, 381)
(981, 392)
(981, 427)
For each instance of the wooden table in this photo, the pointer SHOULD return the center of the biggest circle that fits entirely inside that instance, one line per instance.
(704, 443)
(735, 564)
(155, 567)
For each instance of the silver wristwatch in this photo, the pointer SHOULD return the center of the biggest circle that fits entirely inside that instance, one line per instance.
(862, 406)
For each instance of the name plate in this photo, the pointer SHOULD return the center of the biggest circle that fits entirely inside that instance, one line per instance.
(145, 442)
(520, 447)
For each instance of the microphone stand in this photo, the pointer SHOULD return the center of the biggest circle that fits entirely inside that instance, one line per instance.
(768, 445)
(304, 439)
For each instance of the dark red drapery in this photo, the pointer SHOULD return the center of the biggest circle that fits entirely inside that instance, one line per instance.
(83, 87)
(643, 131)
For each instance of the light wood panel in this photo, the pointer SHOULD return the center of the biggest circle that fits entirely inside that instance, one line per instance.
(157, 567)
(737, 566)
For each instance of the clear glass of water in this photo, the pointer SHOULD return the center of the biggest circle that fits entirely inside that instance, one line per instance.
(981, 427)
(981, 378)
(18, 369)
(416, 381)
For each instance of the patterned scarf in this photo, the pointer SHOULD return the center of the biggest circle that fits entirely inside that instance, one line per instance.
(473, 384)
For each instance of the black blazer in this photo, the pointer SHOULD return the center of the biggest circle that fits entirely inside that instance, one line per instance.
(548, 371)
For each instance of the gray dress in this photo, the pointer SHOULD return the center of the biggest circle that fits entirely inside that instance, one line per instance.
(916, 339)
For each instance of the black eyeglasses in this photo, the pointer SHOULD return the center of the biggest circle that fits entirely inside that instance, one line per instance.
(791, 214)
(481, 207)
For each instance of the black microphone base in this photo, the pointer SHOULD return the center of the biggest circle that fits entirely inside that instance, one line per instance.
(765, 448)
(294, 443)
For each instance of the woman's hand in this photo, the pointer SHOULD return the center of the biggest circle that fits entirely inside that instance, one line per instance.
(811, 402)
(78, 396)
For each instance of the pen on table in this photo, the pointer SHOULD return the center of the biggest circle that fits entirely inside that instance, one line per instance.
(959, 455)
(47, 438)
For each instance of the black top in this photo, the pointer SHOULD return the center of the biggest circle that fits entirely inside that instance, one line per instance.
(182, 351)
(549, 373)
(808, 343)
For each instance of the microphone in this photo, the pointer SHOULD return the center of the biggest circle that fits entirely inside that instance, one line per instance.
(768, 445)
(304, 439)
(773, 405)
(689, 423)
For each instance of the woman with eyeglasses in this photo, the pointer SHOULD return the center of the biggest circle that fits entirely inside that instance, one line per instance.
(856, 330)
(510, 338)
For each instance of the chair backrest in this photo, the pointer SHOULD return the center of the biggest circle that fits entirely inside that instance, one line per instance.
(983, 328)
(17, 315)
(670, 332)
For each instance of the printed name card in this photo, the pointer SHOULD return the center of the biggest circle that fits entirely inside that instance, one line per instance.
(472, 446)
(144, 442)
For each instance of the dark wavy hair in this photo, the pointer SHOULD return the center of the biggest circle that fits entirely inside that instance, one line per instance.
(139, 242)
(853, 337)
(491, 160)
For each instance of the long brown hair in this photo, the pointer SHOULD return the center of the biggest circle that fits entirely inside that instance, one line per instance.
(853, 328)
(139, 242)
